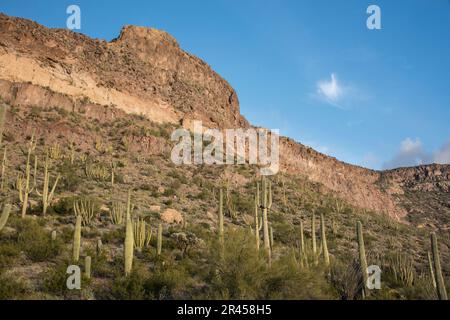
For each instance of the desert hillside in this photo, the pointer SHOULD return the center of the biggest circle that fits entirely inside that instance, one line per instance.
(98, 115)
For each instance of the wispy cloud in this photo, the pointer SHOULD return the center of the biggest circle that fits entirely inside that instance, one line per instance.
(412, 153)
(330, 89)
(333, 91)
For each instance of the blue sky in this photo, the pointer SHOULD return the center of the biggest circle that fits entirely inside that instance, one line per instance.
(377, 98)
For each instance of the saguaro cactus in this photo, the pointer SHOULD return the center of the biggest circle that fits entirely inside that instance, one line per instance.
(441, 291)
(302, 245)
(326, 256)
(4, 161)
(362, 256)
(99, 247)
(430, 265)
(271, 237)
(159, 240)
(129, 206)
(47, 196)
(266, 206)
(129, 247)
(87, 267)
(5, 215)
(25, 189)
(220, 216)
(313, 237)
(3, 109)
(257, 226)
(77, 240)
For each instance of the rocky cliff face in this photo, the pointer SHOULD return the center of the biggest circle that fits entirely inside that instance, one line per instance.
(144, 71)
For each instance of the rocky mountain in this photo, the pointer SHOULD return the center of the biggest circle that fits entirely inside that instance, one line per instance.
(144, 71)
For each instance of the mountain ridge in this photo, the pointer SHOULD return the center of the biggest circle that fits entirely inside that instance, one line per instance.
(144, 71)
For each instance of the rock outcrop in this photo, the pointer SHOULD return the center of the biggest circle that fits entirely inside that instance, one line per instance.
(144, 71)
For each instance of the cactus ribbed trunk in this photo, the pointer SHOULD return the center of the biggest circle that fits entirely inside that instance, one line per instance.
(77, 240)
(47, 195)
(326, 256)
(3, 109)
(266, 205)
(313, 237)
(159, 240)
(128, 247)
(87, 267)
(221, 216)
(302, 245)
(3, 181)
(256, 217)
(362, 256)
(441, 291)
(5, 215)
(431, 267)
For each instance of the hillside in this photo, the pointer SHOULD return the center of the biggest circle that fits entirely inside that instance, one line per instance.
(102, 108)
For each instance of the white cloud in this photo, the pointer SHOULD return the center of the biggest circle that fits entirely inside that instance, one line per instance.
(411, 147)
(412, 153)
(442, 156)
(330, 90)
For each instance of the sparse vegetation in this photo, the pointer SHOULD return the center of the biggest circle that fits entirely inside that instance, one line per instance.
(271, 238)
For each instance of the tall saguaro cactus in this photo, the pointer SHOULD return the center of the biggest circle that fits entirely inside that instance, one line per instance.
(76, 240)
(25, 189)
(221, 216)
(302, 245)
(87, 267)
(4, 162)
(159, 240)
(441, 291)
(128, 247)
(431, 267)
(3, 109)
(362, 256)
(326, 256)
(313, 237)
(47, 195)
(257, 224)
(266, 206)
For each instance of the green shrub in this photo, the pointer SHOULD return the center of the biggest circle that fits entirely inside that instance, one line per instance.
(36, 242)
(11, 288)
(9, 252)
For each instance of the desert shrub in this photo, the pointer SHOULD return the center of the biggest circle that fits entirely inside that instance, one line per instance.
(167, 283)
(11, 288)
(129, 288)
(55, 281)
(64, 206)
(36, 242)
(8, 254)
(70, 180)
(114, 236)
(346, 279)
(238, 274)
(285, 280)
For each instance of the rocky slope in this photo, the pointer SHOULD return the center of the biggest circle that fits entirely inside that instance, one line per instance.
(144, 71)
